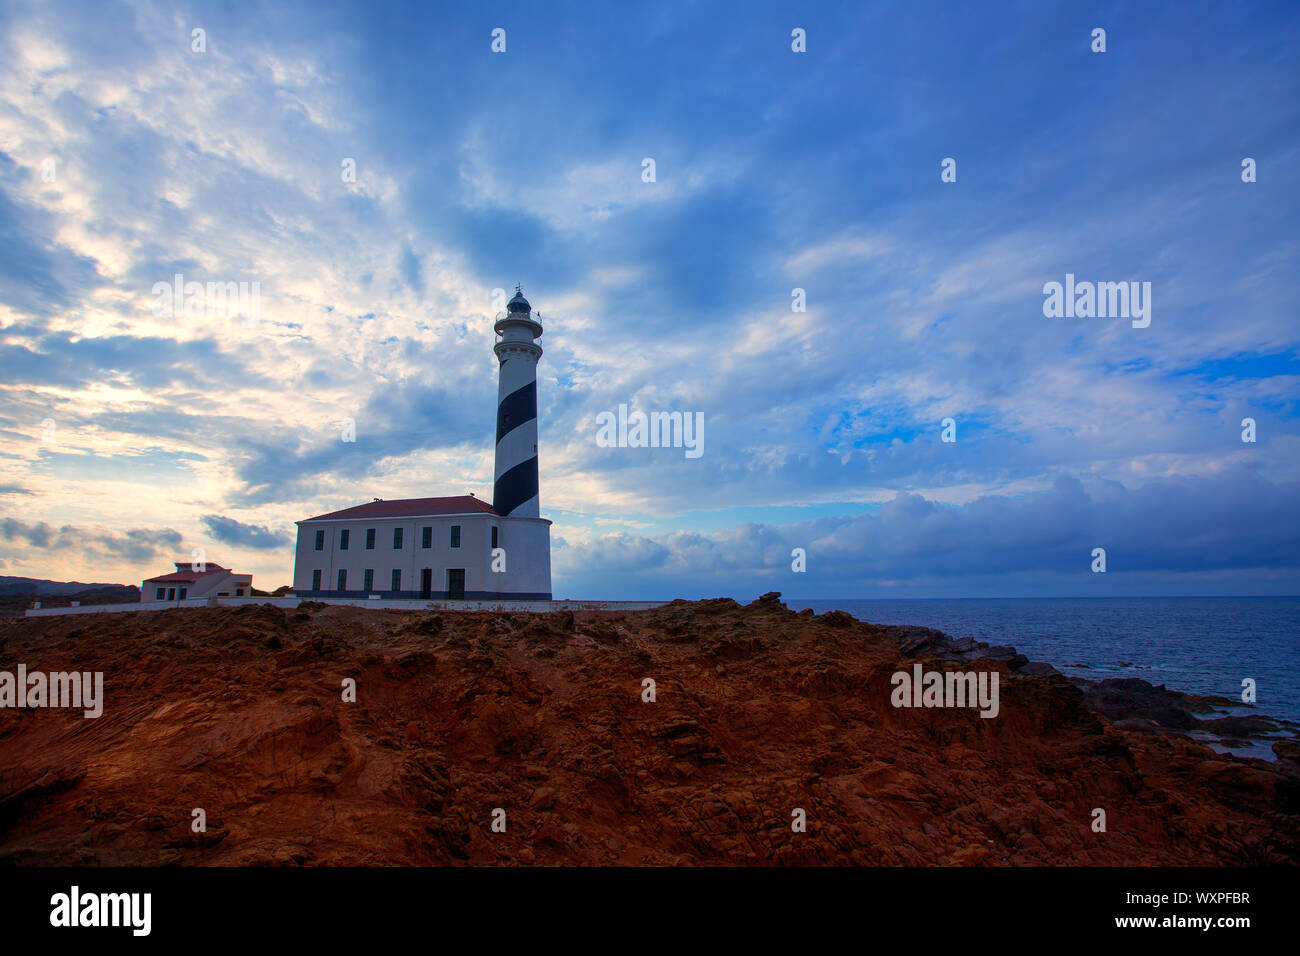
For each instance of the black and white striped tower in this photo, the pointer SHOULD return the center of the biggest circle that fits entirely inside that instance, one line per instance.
(515, 487)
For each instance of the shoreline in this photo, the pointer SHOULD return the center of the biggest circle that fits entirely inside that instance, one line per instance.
(1199, 648)
(1132, 703)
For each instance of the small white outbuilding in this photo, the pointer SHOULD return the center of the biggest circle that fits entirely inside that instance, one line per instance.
(196, 580)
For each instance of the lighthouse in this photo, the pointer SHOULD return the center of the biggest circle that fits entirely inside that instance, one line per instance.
(452, 548)
(515, 484)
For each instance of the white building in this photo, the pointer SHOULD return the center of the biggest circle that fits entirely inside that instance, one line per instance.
(456, 547)
(196, 581)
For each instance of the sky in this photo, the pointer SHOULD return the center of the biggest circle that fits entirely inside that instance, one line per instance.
(382, 173)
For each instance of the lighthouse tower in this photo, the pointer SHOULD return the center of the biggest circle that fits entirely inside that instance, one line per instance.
(515, 486)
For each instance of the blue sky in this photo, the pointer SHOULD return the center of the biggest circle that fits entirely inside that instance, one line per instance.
(128, 438)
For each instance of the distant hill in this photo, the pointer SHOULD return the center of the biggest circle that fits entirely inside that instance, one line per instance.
(10, 585)
(17, 594)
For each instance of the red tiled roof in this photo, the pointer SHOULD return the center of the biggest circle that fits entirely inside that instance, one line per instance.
(184, 576)
(413, 507)
(184, 573)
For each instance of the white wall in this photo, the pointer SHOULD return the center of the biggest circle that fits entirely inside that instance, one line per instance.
(525, 541)
(217, 582)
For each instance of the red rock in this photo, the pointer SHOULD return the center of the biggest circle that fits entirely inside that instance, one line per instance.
(528, 714)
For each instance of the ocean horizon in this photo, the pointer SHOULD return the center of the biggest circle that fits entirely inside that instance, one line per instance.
(1199, 645)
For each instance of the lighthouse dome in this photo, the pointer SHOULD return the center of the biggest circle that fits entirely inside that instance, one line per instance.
(519, 305)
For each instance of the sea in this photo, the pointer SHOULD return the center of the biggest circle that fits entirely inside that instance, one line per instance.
(1196, 645)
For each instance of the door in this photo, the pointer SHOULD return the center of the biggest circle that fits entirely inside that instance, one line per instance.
(426, 583)
(456, 584)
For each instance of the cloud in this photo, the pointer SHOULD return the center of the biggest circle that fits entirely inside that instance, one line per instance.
(403, 418)
(1232, 522)
(129, 547)
(37, 276)
(845, 248)
(624, 552)
(411, 270)
(146, 362)
(230, 531)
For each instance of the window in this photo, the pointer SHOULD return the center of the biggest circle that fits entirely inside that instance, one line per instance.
(343, 539)
(370, 539)
(315, 580)
(184, 591)
(455, 536)
(368, 580)
(320, 540)
(160, 594)
(426, 538)
(397, 579)
(171, 594)
(343, 579)
(397, 539)
(239, 592)
(495, 529)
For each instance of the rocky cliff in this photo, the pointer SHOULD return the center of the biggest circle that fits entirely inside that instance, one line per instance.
(757, 713)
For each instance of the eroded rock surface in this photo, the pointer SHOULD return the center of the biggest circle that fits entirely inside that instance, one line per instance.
(758, 711)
